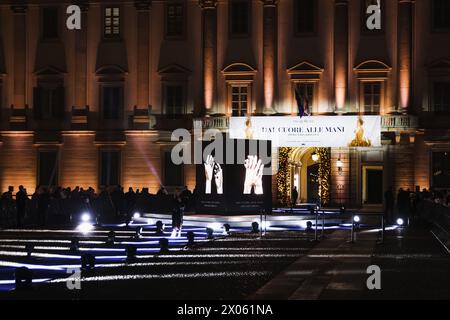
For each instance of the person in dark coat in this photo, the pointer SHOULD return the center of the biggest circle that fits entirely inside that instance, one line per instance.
(43, 202)
(177, 218)
(389, 205)
(130, 203)
(294, 197)
(21, 203)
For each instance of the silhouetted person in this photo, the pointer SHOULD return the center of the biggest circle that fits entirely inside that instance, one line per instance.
(186, 196)
(43, 202)
(8, 195)
(7, 203)
(21, 204)
(130, 202)
(294, 197)
(162, 192)
(389, 205)
(177, 218)
(403, 203)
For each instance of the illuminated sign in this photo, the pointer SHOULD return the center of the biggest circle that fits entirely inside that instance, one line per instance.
(316, 131)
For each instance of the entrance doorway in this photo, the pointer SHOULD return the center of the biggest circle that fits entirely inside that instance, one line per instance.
(373, 185)
(313, 183)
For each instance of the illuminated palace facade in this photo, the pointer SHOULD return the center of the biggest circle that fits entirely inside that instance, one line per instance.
(97, 106)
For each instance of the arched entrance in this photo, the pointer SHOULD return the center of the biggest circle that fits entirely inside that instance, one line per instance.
(305, 174)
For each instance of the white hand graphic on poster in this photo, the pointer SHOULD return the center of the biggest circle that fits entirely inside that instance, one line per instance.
(213, 171)
(253, 175)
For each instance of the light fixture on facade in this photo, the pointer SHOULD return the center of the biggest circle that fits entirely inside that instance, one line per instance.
(339, 165)
(315, 157)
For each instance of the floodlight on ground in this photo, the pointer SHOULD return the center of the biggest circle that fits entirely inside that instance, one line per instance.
(131, 253)
(159, 227)
(209, 233)
(226, 229)
(138, 233)
(74, 245)
(29, 248)
(86, 217)
(163, 245)
(23, 278)
(191, 238)
(87, 261)
(111, 237)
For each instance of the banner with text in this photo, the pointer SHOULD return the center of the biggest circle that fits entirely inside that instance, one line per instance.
(314, 131)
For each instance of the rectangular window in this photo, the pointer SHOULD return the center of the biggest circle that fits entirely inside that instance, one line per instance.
(239, 17)
(175, 16)
(112, 102)
(110, 168)
(173, 174)
(111, 22)
(50, 23)
(371, 97)
(304, 16)
(441, 14)
(441, 97)
(174, 100)
(306, 90)
(367, 17)
(441, 169)
(49, 102)
(48, 168)
(240, 100)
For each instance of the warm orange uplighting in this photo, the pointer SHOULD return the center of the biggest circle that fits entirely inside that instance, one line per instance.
(209, 80)
(340, 97)
(269, 85)
(18, 165)
(340, 87)
(405, 88)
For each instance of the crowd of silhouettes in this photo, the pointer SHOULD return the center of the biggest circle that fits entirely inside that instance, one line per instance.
(61, 206)
(407, 201)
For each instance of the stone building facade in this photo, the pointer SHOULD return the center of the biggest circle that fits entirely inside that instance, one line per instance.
(97, 106)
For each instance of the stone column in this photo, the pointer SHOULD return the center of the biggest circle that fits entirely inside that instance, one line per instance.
(81, 58)
(20, 57)
(269, 53)
(209, 33)
(341, 54)
(405, 45)
(143, 61)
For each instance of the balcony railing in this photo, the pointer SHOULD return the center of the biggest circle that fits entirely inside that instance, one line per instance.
(388, 122)
(220, 123)
(398, 122)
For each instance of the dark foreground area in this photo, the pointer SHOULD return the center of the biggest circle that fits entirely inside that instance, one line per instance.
(230, 267)
(282, 265)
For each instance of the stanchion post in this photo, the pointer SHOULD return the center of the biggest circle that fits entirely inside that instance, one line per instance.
(317, 222)
(382, 228)
(352, 236)
(260, 224)
(265, 222)
(323, 225)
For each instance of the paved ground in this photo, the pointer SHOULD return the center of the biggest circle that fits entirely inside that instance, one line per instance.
(283, 265)
(414, 265)
(227, 268)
